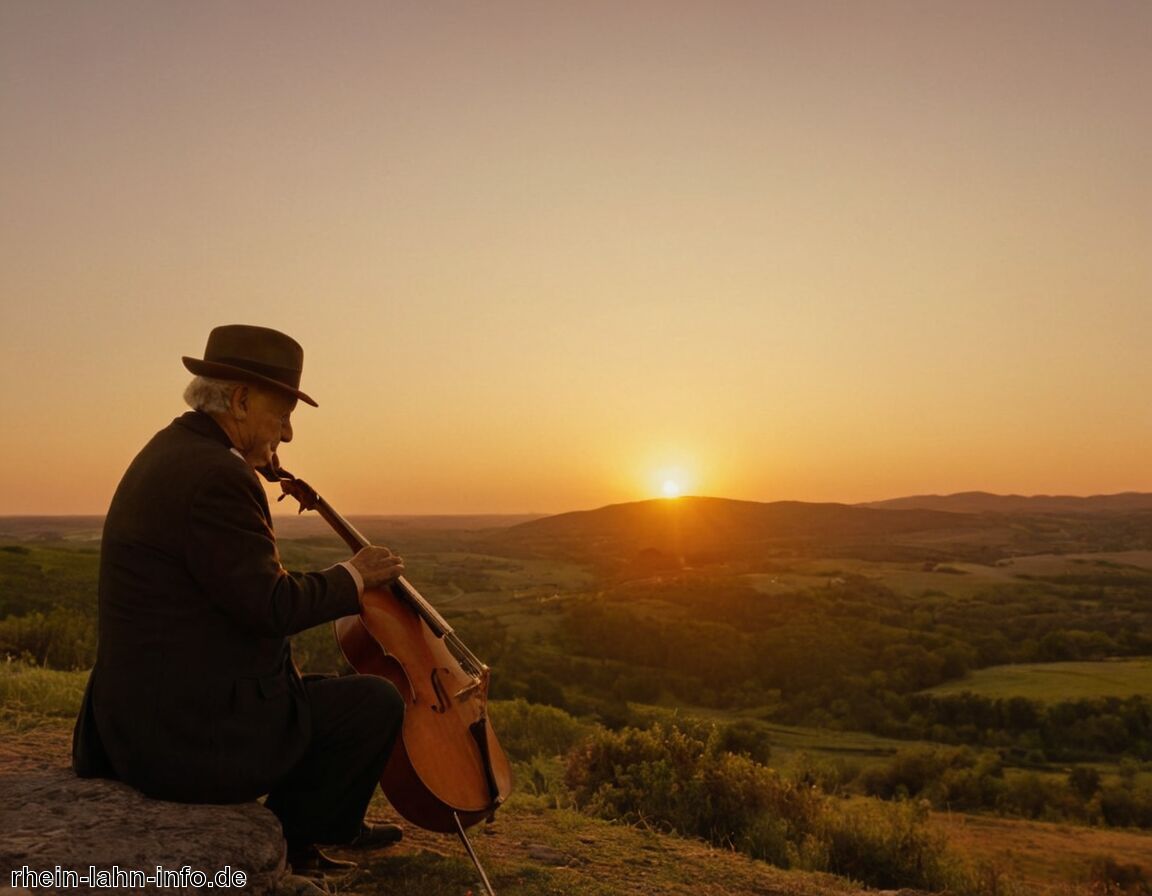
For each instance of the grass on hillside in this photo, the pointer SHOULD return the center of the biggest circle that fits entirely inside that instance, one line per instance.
(41, 578)
(1044, 859)
(1055, 682)
(30, 694)
(539, 846)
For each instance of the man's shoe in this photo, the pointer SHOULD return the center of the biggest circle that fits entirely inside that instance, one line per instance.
(376, 836)
(311, 859)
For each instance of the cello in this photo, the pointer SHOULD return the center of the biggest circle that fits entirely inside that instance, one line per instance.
(447, 771)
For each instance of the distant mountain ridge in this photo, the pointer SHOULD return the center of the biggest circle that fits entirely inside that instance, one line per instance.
(986, 502)
(754, 515)
(978, 526)
(700, 525)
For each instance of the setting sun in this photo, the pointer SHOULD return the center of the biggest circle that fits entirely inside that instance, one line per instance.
(672, 477)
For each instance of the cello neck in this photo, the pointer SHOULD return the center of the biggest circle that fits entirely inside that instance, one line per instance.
(310, 499)
(355, 540)
(348, 533)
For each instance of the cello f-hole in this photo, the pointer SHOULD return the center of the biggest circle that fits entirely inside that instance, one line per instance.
(441, 694)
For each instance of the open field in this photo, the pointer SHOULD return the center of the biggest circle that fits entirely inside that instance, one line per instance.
(790, 740)
(1053, 682)
(1034, 858)
(953, 578)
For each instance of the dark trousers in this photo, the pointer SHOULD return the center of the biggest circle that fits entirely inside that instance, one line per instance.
(355, 721)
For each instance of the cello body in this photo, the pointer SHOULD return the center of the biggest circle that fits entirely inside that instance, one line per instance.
(447, 770)
(447, 763)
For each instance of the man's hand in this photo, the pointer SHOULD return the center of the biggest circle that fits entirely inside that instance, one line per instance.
(377, 566)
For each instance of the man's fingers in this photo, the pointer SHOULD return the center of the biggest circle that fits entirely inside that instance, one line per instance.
(378, 565)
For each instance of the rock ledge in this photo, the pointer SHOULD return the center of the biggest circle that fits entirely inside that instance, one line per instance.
(51, 818)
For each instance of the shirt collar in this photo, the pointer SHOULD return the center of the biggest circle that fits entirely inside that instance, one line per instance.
(203, 425)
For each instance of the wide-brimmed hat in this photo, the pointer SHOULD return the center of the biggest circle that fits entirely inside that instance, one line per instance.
(252, 354)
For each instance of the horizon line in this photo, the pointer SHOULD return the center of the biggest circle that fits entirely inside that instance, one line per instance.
(540, 513)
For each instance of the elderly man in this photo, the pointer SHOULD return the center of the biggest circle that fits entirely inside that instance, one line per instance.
(194, 696)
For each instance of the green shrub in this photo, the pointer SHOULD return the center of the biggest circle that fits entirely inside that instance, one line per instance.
(61, 638)
(1127, 805)
(878, 844)
(1112, 878)
(913, 770)
(527, 730)
(746, 738)
(1029, 795)
(540, 781)
(949, 777)
(678, 777)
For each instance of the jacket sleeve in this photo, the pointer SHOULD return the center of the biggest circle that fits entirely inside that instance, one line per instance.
(231, 552)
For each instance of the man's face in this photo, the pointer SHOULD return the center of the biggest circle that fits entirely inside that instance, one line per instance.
(267, 423)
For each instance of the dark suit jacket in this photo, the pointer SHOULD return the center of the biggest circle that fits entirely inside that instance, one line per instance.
(194, 696)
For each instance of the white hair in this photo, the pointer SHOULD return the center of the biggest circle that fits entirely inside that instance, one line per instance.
(209, 395)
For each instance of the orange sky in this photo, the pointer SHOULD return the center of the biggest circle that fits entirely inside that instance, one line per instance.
(543, 256)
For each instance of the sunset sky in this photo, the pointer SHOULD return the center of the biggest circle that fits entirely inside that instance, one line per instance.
(545, 256)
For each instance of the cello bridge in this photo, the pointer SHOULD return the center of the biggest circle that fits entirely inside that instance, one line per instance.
(468, 690)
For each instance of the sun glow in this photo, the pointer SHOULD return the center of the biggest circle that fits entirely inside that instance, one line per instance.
(673, 475)
(670, 477)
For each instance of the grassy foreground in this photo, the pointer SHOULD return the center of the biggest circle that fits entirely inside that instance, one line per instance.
(539, 846)
(537, 849)
(532, 848)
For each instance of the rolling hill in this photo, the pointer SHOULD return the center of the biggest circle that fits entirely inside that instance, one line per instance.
(703, 528)
(985, 502)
